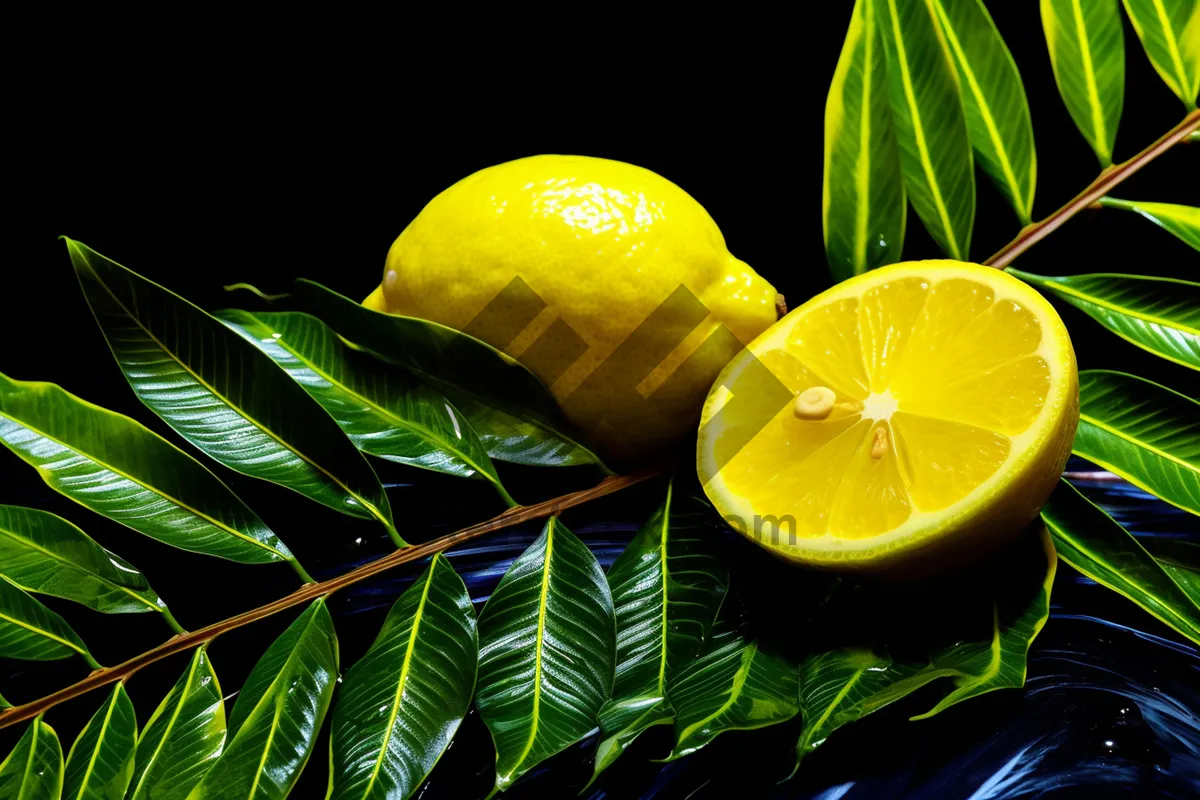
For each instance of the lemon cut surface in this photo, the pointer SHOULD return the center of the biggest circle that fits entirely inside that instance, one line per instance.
(934, 405)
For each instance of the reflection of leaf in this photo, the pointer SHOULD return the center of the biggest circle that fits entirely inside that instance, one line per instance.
(1161, 315)
(1170, 32)
(863, 189)
(931, 128)
(1143, 432)
(34, 768)
(100, 765)
(1087, 52)
(32, 632)
(223, 395)
(667, 586)
(1095, 544)
(386, 412)
(998, 120)
(546, 651)
(119, 468)
(1183, 221)
(402, 703)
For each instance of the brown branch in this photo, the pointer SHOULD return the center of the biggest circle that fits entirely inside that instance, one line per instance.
(1105, 182)
(513, 516)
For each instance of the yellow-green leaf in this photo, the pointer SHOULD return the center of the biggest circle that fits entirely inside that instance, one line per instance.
(1170, 32)
(1183, 221)
(34, 768)
(863, 199)
(931, 127)
(1087, 52)
(998, 121)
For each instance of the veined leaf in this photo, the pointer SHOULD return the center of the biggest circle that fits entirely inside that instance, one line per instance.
(386, 412)
(100, 765)
(32, 632)
(667, 587)
(998, 121)
(1000, 663)
(34, 768)
(1143, 432)
(1087, 52)
(1161, 315)
(119, 468)
(222, 394)
(1170, 32)
(546, 652)
(1179, 559)
(863, 190)
(927, 112)
(1095, 544)
(1183, 221)
(515, 416)
(736, 686)
(44, 554)
(402, 703)
(184, 736)
(278, 713)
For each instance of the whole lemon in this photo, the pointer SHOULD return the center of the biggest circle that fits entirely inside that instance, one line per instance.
(606, 280)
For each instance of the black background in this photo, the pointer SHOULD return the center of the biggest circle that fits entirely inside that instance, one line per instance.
(201, 159)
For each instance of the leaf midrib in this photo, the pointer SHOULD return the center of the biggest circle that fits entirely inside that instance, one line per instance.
(184, 695)
(1064, 288)
(833, 704)
(735, 691)
(1099, 128)
(1137, 442)
(91, 767)
(47, 634)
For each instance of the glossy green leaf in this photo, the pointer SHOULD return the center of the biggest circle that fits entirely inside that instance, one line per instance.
(385, 411)
(4, 703)
(998, 120)
(222, 394)
(666, 586)
(183, 737)
(1183, 221)
(930, 124)
(1161, 315)
(1170, 32)
(1143, 432)
(514, 415)
(737, 685)
(44, 554)
(863, 200)
(31, 632)
(100, 766)
(119, 468)
(278, 713)
(546, 655)
(34, 768)
(1180, 559)
(400, 705)
(1087, 52)
(1095, 544)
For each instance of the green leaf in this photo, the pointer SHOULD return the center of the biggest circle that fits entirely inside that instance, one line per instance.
(44, 554)
(1183, 221)
(667, 587)
(515, 416)
(1161, 315)
(34, 768)
(927, 112)
(1179, 559)
(736, 686)
(119, 468)
(100, 765)
(1087, 52)
(401, 705)
(863, 190)
(1170, 32)
(278, 713)
(1095, 544)
(546, 653)
(31, 632)
(998, 120)
(222, 394)
(1143, 432)
(184, 736)
(385, 411)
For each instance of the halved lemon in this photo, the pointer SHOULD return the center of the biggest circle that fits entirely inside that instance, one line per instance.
(908, 418)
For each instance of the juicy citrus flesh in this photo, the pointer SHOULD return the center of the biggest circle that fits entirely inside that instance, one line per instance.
(954, 401)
